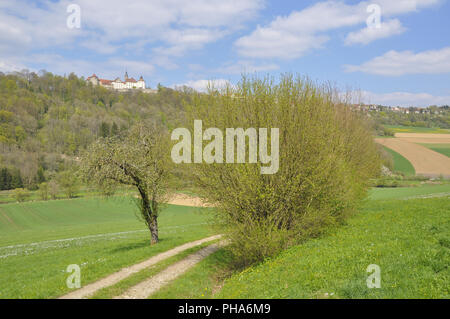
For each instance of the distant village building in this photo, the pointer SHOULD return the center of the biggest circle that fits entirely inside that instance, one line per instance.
(118, 84)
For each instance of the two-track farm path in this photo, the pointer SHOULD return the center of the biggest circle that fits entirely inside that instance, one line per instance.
(114, 278)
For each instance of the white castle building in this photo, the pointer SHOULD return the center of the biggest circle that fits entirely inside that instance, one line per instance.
(118, 84)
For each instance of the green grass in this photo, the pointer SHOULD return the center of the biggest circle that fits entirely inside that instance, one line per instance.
(407, 237)
(409, 240)
(34, 264)
(409, 192)
(401, 164)
(122, 286)
(200, 282)
(413, 129)
(440, 148)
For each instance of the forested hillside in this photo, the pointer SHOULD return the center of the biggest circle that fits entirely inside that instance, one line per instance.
(46, 120)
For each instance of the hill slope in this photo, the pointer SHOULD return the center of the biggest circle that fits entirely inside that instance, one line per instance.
(408, 239)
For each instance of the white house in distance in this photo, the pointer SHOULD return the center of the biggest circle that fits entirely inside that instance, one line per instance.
(118, 84)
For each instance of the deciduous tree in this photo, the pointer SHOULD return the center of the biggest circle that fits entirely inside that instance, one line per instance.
(141, 158)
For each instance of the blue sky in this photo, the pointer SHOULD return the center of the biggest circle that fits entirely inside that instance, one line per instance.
(402, 58)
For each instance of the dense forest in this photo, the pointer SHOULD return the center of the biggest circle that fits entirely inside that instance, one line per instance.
(46, 120)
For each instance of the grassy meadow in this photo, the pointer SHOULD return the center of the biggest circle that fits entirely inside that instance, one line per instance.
(409, 240)
(406, 235)
(415, 191)
(404, 230)
(38, 240)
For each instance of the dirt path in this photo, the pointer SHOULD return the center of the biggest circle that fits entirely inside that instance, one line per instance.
(114, 278)
(425, 161)
(147, 287)
(186, 200)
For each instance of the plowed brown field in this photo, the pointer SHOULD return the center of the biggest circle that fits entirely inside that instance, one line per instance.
(425, 161)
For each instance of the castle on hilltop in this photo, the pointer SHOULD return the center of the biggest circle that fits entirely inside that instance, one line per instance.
(118, 84)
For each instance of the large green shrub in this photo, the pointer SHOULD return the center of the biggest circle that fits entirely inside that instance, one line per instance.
(327, 156)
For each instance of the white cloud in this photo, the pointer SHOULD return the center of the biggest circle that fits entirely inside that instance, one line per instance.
(395, 63)
(179, 41)
(25, 25)
(404, 99)
(289, 37)
(111, 26)
(272, 43)
(390, 7)
(240, 67)
(10, 66)
(370, 34)
(215, 13)
(202, 85)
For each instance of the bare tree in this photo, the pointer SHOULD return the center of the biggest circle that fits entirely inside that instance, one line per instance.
(139, 158)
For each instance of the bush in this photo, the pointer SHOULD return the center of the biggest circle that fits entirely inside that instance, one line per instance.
(53, 189)
(327, 156)
(68, 181)
(21, 194)
(43, 191)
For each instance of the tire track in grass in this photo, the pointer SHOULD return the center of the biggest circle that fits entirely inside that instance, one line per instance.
(153, 284)
(114, 278)
(122, 286)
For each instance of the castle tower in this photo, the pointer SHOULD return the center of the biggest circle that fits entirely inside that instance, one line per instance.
(126, 75)
(141, 83)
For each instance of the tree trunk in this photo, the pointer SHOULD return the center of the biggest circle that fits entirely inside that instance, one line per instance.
(153, 226)
(150, 215)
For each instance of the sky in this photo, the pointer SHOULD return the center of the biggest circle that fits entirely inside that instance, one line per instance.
(392, 52)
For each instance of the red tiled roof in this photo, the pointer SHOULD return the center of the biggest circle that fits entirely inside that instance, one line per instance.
(104, 81)
(130, 80)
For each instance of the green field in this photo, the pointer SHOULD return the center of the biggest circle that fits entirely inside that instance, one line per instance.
(419, 191)
(414, 129)
(440, 148)
(38, 240)
(401, 164)
(404, 230)
(409, 240)
(406, 235)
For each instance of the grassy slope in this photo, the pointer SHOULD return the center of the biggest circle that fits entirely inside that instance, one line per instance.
(440, 148)
(38, 270)
(401, 164)
(408, 239)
